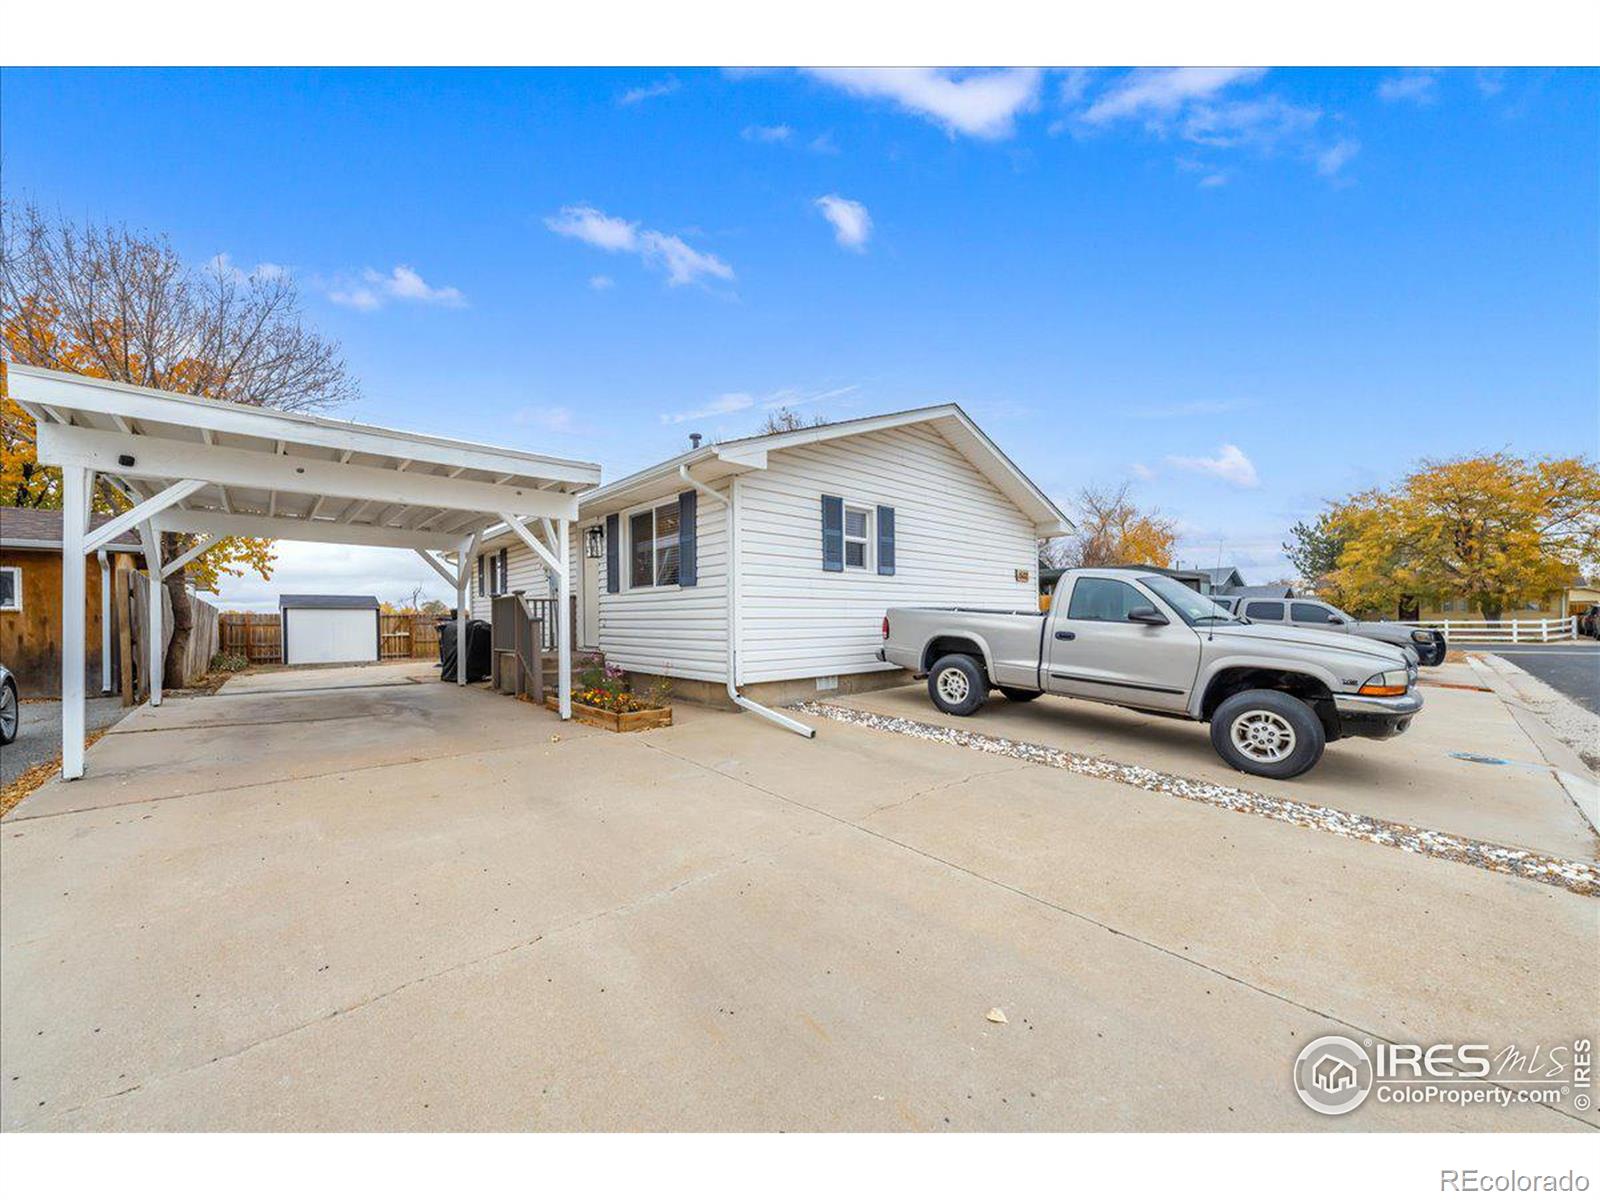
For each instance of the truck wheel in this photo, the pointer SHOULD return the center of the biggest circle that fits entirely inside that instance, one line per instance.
(956, 685)
(1264, 732)
(1020, 695)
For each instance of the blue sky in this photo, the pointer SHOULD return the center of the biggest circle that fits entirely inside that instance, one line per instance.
(1246, 291)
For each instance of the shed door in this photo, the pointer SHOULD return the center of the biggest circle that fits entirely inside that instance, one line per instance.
(325, 635)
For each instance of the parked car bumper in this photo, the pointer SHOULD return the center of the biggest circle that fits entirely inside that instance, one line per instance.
(1376, 716)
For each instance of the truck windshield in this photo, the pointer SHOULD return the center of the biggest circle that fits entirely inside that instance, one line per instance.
(1194, 608)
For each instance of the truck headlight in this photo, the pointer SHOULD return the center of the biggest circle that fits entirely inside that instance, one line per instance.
(1387, 683)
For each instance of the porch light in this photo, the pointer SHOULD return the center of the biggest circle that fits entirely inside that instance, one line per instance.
(594, 541)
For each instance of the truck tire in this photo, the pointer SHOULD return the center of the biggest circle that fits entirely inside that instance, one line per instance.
(956, 685)
(1265, 732)
(1020, 695)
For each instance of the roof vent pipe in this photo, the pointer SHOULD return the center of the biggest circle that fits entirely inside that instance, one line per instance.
(694, 441)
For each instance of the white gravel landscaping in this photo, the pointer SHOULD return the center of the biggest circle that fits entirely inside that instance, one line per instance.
(1573, 875)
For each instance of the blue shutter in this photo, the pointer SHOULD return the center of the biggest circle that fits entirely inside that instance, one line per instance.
(688, 575)
(613, 553)
(832, 533)
(885, 540)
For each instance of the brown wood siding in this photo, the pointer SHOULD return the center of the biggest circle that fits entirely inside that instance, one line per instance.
(30, 640)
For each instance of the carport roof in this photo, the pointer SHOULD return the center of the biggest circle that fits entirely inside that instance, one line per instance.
(259, 472)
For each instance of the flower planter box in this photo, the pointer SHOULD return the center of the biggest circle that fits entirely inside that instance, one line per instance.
(631, 722)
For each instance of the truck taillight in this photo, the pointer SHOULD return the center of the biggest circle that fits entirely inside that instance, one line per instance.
(886, 629)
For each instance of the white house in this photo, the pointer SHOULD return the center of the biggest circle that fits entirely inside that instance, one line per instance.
(829, 527)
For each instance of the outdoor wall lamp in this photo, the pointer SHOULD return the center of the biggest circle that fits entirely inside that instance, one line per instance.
(594, 541)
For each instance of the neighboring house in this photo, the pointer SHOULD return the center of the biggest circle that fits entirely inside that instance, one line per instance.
(1568, 602)
(1263, 591)
(30, 598)
(1222, 579)
(831, 525)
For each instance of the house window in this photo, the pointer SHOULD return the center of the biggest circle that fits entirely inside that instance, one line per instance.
(857, 537)
(10, 589)
(653, 546)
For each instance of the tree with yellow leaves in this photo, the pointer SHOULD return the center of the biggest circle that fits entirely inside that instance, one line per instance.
(116, 304)
(1494, 528)
(1112, 530)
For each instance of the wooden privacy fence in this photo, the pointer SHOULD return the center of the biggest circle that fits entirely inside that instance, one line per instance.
(258, 637)
(131, 632)
(408, 635)
(254, 637)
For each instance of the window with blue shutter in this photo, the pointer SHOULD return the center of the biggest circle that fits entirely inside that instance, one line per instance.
(502, 584)
(688, 541)
(833, 533)
(885, 540)
(613, 553)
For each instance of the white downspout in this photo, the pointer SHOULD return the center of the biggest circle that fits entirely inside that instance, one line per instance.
(105, 622)
(761, 710)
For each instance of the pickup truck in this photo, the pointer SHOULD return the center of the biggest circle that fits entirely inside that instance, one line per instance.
(1274, 696)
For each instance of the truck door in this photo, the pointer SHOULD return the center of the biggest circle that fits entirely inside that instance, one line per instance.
(1097, 651)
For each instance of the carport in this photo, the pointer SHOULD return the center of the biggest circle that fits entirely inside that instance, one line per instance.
(215, 469)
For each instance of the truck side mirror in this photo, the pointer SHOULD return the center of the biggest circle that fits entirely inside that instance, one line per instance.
(1146, 614)
(1335, 619)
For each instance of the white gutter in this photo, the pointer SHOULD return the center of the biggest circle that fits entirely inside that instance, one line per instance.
(761, 710)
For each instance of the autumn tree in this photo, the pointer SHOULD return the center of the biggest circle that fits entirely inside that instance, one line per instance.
(119, 304)
(1313, 550)
(1112, 530)
(1495, 529)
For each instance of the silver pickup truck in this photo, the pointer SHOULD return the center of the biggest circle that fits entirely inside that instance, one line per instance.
(1274, 696)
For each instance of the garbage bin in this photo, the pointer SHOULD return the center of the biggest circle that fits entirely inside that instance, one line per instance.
(478, 654)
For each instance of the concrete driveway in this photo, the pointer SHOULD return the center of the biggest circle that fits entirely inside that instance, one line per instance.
(408, 906)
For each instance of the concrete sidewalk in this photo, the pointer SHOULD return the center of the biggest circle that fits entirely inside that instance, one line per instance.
(415, 906)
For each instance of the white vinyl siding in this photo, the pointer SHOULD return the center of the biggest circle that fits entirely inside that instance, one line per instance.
(958, 540)
(667, 630)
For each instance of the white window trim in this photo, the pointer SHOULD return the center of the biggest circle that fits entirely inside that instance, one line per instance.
(16, 589)
(625, 532)
(868, 542)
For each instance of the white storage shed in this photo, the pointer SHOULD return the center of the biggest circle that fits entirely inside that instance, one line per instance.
(328, 629)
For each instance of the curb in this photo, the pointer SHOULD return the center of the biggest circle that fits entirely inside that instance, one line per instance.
(1517, 690)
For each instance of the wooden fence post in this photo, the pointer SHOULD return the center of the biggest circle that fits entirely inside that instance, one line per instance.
(121, 591)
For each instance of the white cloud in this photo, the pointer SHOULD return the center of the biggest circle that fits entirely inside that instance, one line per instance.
(1417, 87)
(823, 143)
(371, 290)
(222, 266)
(767, 133)
(852, 223)
(589, 224)
(1161, 91)
(649, 91)
(1230, 465)
(733, 402)
(601, 283)
(666, 252)
(1331, 160)
(1491, 81)
(981, 104)
(1260, 123)
(1140, 471)
(1214, 180)
(728, 402)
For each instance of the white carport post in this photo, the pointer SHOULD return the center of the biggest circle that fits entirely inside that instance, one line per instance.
(74, 527)
(469, 551)
(152, 561)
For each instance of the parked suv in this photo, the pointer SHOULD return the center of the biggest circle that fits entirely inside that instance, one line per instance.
(1273, 697)
(1428, 645)
(1589, 622)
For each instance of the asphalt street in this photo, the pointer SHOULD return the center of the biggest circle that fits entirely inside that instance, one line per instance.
(1572, 668)
(39, 731)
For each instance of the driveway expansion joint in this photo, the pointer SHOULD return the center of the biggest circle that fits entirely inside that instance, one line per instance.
(1573, 875)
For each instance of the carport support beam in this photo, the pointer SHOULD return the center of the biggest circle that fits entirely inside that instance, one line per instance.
(74, 529)
(469, 550)
(564, 619)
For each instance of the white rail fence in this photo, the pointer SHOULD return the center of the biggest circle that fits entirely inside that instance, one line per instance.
(1549, 629)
